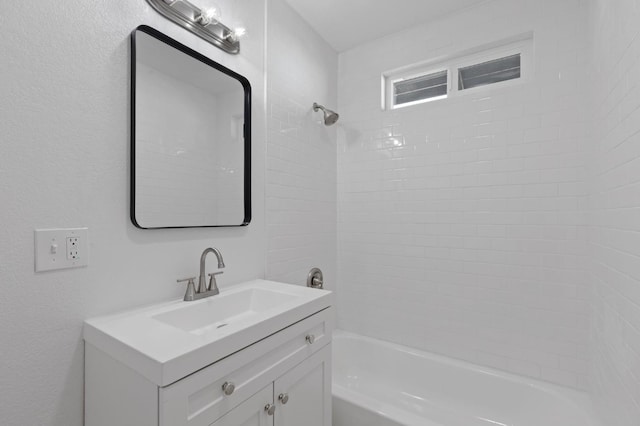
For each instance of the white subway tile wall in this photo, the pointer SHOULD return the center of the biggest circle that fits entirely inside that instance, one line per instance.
(462, 223)
(615, 234)
(301, 166)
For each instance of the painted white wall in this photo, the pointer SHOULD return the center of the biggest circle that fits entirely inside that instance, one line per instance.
(64, 103)
(301, 150)
(615, 218)
(462, 223)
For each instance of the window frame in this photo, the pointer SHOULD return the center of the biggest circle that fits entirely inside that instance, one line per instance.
(523, 47)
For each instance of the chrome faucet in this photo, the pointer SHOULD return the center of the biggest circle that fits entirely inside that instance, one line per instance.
(213, 286)
(203, 289)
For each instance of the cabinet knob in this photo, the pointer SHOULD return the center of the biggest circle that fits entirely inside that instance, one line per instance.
(228, 388)
(270, 409)
(284, 398)
(310, 339)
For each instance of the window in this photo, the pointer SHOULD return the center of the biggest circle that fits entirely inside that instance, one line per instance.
(484, 67)
(490, 72)
(420, 89)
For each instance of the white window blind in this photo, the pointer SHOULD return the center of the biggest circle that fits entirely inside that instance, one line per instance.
(420, 88)
(489, 72)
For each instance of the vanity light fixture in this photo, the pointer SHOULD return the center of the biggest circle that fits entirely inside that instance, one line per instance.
(203, 21)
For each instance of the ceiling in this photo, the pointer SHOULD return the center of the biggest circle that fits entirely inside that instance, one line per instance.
(347, 23)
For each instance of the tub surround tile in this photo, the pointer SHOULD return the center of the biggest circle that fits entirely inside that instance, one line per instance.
(301, 152)
(615, 207)
(468, 215)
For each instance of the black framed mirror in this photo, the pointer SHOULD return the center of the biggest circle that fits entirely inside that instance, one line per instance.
(190, 137)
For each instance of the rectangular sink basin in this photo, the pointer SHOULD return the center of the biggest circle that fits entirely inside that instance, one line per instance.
(169, 341)
(224, 309)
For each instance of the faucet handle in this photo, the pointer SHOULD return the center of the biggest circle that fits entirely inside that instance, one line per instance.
(213, 285)
(191, 288)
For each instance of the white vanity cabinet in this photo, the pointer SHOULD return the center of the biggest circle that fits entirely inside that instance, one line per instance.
(250, 412)
(288, 371)
(301, 397)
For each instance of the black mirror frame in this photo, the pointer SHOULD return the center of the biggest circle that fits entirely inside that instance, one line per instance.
(246, 128)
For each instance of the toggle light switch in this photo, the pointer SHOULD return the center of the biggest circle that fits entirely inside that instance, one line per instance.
(61, 248)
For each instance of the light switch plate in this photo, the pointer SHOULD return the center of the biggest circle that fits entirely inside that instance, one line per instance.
(61, 248)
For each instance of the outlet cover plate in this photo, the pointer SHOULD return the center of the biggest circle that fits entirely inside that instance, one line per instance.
(52, 248)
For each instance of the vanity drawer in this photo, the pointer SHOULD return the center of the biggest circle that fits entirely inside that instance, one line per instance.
(199, 399)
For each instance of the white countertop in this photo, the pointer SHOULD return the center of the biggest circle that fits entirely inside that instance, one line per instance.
(164, 354)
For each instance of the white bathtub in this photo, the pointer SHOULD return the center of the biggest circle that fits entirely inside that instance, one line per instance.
(377, 383)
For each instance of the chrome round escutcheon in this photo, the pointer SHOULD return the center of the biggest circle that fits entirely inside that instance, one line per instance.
(284, 398)
(270, 409)
(315, 278)
(228, 388)
(310, 339)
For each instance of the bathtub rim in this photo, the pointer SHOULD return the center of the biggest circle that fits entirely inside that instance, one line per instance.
(580, 399)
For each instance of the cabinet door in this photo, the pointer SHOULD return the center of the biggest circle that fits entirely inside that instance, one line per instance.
(303, 395)
(198, 399)
(250, 412)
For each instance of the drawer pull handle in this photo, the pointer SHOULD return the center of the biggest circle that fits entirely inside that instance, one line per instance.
(270, 409)
(284, 398)
(228, 388)
(310, 339)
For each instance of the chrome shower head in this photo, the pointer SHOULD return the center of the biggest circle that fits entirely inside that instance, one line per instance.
(330, 117)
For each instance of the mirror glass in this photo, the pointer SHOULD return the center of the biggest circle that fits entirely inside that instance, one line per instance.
(190, 137)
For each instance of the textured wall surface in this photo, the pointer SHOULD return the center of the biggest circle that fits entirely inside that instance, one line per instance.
(462, 222)
(64, 102)
(615, 204)
(301, 151)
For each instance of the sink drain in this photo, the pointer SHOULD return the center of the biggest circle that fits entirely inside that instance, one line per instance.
(222, 325)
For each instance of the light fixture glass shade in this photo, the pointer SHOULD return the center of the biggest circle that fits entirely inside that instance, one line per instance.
(210, 12)
(237, 33)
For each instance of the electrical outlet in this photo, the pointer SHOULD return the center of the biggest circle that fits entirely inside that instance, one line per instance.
(73, 248)
(61, 248)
